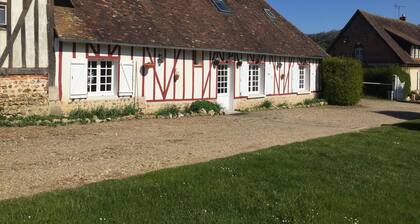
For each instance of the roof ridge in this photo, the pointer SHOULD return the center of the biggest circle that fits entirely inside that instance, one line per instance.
(364, 12)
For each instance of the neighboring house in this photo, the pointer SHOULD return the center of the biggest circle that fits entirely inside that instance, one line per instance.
(376, 41)
(114, 53)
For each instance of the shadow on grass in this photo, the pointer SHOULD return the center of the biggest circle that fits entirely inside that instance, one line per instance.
(404, 115)
(413, 126)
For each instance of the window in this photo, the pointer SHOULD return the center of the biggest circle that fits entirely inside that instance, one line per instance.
(254, 79)
(100, 77)
(221, 6)
(415, 51)
(222, 79)
(359, 53)
(269, 13)
(301, 77)
(3, 15)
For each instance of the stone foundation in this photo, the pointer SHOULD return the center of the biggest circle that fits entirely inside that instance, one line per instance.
(24, 95)
(67, 107)
(241, 104)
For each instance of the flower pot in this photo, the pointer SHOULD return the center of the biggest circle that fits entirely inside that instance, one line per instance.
(149, 65)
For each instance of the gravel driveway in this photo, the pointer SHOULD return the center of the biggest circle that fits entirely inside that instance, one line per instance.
(38, 159)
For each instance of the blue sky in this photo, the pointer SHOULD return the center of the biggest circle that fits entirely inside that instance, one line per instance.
(313, 16)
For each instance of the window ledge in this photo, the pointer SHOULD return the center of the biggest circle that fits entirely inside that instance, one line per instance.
(102, 97)
(256, 96)
(304, 92)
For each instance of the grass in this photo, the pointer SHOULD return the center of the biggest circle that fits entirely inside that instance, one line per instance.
(103, 113)
(367, 177)
(29, 121)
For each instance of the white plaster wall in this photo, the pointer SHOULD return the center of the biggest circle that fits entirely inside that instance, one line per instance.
(188, 73)
(17, 7)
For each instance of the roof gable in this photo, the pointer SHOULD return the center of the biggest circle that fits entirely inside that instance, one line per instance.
(405, 30)
(194, 24)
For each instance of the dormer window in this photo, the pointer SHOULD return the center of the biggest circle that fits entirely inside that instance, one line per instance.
(221, 6)
(415, 52)
(270, 14)
(3, 15)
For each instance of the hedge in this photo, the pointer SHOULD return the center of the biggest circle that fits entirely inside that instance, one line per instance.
(343, 81)
(385, 74)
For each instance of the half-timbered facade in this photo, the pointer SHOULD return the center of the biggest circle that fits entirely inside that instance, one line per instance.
(151, 53)
(26, 41)
(156, 52)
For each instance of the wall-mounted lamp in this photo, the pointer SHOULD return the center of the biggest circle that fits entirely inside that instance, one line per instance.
(239, 63)
(216, 61)
(160, 59)
(279, 66)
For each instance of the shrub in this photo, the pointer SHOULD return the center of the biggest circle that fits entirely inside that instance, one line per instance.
(343, 81)
(385, 74)
(168, 110)
(206, 105)
(266, 104)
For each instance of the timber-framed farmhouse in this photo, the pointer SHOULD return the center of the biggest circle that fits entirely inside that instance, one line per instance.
(65, 54)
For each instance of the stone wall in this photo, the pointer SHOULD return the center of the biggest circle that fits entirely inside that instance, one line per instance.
(116, 102)
(241, 104)
(24, 95)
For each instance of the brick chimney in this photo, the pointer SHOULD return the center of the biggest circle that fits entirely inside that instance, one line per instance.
(403, 17)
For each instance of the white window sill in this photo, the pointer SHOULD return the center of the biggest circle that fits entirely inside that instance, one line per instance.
(303, 92)
(102, 97)
(256, 96)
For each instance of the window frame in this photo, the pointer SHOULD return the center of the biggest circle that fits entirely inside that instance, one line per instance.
(359, 53)
(99, 76)
(223, 84)
(252, 87)
(226, 9)
(4, 5)
(415, 52)
(302, 77)
(270, 13)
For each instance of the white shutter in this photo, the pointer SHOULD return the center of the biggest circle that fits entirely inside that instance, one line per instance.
(126, 78)
(269, 79)
(244, 76)
(312, 77)
(295, 78)
(79, 79)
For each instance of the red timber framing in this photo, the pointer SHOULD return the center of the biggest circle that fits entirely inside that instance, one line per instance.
(162, 87)
(282, 85)
(171, 81)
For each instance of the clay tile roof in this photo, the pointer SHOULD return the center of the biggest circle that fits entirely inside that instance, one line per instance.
(189, 24)
(405, 30)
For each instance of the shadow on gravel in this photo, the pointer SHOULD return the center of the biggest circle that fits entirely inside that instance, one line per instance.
(404, 115)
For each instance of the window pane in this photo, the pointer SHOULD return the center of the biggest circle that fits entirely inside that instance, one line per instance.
(2, 15)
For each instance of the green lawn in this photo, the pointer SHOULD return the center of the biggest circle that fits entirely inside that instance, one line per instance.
(367, 177)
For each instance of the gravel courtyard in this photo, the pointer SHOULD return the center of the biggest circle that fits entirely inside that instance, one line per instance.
(38, 159)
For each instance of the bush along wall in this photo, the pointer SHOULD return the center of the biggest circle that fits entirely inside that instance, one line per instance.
(343, 81)
(384, 74)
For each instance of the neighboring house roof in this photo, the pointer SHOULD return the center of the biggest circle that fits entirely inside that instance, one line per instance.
(188, 24)
(403, 29)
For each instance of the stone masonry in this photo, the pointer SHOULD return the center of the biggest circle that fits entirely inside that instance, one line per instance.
(24, 95)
